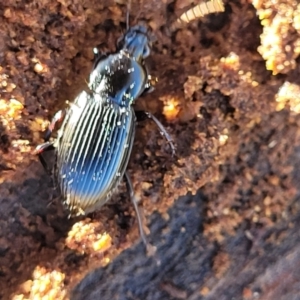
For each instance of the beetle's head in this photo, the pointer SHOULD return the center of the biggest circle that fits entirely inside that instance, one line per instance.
(136, 41)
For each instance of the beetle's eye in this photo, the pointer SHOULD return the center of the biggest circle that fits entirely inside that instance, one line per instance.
(130, 36)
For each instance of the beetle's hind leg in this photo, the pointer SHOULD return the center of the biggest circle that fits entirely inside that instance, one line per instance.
(40, 149)
(142, 115)
(136, 208)
(48, 146)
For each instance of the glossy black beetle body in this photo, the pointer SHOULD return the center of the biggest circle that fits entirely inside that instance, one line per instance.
(95, 140)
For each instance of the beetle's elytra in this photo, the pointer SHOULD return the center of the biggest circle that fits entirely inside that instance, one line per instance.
(96, 136)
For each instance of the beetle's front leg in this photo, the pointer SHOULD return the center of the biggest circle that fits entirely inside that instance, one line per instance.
(98, 56)
(142, 115)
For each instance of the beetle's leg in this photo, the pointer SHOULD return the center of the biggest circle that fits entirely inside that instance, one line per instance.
(142, 115)
(98, 56)
(58, 117)
(47, 146)
(39, 150)
(133, 200)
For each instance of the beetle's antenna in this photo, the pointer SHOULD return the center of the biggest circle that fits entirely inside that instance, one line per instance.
(138, 13)
(127, 14)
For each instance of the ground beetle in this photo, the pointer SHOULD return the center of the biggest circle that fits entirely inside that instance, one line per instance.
(97, 132)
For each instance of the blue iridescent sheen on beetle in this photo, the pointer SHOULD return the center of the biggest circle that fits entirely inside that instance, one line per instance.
(95, 140)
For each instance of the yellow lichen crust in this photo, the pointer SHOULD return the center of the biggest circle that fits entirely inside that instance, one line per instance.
(280, 40)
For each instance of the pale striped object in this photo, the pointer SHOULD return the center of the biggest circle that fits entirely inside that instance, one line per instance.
(198, 11)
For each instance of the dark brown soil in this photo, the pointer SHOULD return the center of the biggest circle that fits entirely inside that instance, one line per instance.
(223, 215)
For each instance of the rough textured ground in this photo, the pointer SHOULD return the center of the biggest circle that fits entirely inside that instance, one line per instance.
(228, 93)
